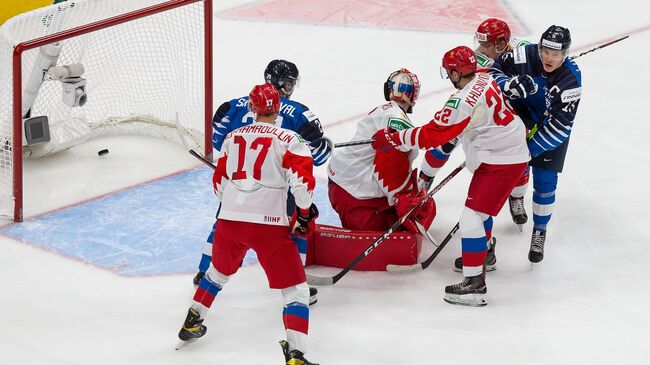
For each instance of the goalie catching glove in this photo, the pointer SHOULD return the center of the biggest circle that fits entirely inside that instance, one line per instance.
(302, 220)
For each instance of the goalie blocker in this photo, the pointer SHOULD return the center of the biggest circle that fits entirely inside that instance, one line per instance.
(337, 247)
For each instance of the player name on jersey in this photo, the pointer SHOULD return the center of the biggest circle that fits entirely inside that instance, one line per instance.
(255, 128)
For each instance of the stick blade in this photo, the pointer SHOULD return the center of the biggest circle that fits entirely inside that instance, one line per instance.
(319, 280)
(402, 269)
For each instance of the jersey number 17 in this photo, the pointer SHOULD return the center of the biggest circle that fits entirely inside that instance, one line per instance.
(260, 143)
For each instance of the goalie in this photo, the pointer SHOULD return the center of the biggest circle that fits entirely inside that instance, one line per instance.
(370, 189)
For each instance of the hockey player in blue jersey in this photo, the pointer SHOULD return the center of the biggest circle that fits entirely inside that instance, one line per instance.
(544, 87)
(293, 115)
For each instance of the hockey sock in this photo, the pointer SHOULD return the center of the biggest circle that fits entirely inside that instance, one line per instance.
(522, 185)
(473, 241)
(301, 244)
(209, 287)
(544, 185)
(295, 316)
(206, 257)
(487, 226)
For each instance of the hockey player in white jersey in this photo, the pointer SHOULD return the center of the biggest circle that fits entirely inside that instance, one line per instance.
(255, 167)
(371, 189)
(494, 142)
(491, 39)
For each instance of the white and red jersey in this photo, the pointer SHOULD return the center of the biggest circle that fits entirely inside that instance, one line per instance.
(255, 167)
(365, 174)
(487, 127)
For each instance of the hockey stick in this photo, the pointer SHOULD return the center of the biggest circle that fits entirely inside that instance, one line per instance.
(324, 281)
(424, 264)
(601, 46)
(195, 154)
(354, 143)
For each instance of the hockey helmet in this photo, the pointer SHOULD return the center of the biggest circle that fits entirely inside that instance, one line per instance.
(283, 75)
(492, 30)
(264, 100)
(402, 85)
(460, 59)
(557, 38)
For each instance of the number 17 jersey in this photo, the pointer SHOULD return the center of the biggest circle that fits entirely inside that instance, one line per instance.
(256, 166)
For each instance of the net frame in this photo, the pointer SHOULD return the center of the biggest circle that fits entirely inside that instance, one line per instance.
(17, 69)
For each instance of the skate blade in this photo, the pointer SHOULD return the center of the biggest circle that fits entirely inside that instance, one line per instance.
(182, 344)
(471, 300)
(520, 227)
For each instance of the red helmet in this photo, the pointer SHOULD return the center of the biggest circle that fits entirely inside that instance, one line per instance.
(264, 99)
(460, 59)
(491, 30)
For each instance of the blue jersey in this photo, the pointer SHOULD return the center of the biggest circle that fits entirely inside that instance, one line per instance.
(293, 115)
(552, 109)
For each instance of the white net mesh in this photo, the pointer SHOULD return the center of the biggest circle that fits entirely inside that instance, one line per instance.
(141, 76)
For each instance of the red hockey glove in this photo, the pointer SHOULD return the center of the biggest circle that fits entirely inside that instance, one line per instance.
(303, 220)
(423, 215)
(386, 139)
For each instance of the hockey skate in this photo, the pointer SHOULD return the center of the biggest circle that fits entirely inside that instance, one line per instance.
(197, 279)
(312, 295)
(192, 329)
(518, 212)
(490, 258)
(536, 253)
(471, 291)
(294, 357)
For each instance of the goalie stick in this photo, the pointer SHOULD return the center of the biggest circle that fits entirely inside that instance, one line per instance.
(325, 281)
(354, 143)
(424, 264)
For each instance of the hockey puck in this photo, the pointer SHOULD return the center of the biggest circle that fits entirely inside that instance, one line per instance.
(103, 152)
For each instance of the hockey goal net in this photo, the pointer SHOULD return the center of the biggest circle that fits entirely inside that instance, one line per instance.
(96, 67)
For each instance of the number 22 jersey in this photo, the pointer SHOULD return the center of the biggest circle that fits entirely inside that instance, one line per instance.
(478, 115)
(255, 167)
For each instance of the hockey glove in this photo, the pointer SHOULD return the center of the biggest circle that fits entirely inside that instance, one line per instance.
(519, 87)
(303, 219)
(385, 139)
(423, 215)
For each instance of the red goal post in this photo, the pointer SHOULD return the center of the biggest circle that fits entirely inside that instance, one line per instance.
(158, 34)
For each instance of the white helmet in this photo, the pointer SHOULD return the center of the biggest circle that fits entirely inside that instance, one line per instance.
(402, 85)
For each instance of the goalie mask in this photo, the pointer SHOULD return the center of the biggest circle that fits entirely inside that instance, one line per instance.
(283, 75)
(403, 86)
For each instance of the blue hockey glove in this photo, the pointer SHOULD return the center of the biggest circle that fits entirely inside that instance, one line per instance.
(519, 87)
